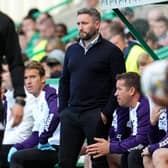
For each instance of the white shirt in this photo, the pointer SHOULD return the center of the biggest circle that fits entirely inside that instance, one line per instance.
(21, 132)
(133, 119)
(40, 114)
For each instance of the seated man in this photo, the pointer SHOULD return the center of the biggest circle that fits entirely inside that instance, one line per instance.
(41, 148)
(128, 95)
(159, 121)
(19, 133)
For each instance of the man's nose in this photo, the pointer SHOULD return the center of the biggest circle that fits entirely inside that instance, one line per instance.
(80, 26)
(116, 93)
(28, 80)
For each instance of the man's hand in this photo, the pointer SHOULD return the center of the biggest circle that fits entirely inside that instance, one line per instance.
(104, 118)
(2, 91)
(160, 101)
(17, 114)
(145, 152)
(100, 148)
(155, 115)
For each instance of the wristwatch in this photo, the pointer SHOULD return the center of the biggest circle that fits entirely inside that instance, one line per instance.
(20, 101)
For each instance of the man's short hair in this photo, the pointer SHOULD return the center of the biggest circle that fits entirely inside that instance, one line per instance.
(132, 79)
(116, 29)
(35, 65)
(90, 11)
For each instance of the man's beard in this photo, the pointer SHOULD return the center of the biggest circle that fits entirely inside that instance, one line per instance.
(87, 36)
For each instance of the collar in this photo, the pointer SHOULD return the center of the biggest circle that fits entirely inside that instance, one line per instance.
(135, 108)
(93, 42)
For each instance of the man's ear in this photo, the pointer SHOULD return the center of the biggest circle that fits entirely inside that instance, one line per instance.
(132, 91)
(43, 79)
(97, 23)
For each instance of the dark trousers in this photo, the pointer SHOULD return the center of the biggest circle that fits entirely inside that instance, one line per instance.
(34, 158)
(1, 136)
(75, 127)
(132, 160)
(4, 149)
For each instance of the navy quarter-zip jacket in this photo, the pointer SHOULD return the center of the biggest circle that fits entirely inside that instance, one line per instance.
(88, 79)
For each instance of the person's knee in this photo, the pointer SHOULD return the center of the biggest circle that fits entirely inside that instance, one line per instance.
(114, 160)
(147, 160)
(159, 156)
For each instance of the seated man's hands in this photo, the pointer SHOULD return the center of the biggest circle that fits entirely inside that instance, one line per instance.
(154, 117)
(17, 114)
(145, 152)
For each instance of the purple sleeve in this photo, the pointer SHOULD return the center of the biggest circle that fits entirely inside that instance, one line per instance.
(162, 144)
(5, 105)
(53, 117)
(122, 131)
(30, 142)
(141, 137)
(155, 134)
(112, 133)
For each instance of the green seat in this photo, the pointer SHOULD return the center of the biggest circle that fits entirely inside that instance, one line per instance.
(162, 53)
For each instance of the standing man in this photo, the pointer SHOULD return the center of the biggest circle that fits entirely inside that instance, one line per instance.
(9, 47)
(87, 87)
